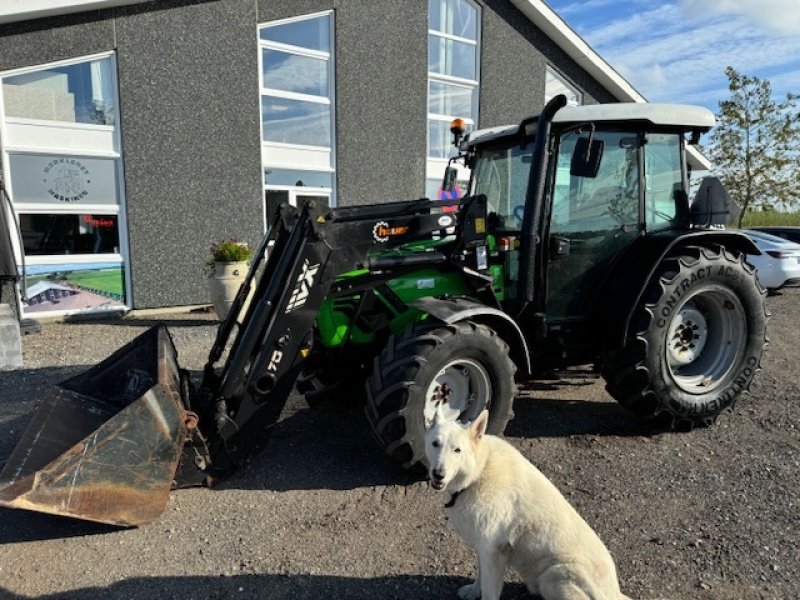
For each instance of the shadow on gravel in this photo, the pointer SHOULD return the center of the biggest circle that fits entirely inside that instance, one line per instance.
(328, 447)
(147, 323)
(22, 526)
(547, 417)
(294, 587)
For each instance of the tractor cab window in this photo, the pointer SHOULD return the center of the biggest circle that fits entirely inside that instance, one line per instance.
(663, 179)
(592, 219)
(603, 203)
(502, 175)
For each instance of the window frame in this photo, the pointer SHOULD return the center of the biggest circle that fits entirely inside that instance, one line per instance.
(565, 81)
(435, 165)
(83, 142)
(314, 152)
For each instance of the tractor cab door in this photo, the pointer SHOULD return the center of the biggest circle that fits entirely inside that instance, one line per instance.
(592, 219)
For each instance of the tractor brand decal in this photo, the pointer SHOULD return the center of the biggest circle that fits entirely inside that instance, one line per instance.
(445, 221)
(303, 288)
(382, 232)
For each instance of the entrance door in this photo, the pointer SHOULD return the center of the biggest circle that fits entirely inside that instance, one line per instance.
(592, 219)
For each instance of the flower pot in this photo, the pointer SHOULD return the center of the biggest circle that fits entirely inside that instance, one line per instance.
(224, 284)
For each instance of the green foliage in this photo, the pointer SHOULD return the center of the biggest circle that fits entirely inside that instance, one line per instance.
(755, 146)
(227, 251)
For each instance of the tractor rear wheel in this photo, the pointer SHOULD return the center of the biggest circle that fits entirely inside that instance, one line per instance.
(463, 367)
(698, 341)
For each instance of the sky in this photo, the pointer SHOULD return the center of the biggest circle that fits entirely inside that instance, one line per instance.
(677, 50)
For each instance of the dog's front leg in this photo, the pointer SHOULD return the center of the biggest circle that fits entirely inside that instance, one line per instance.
(473, 590)
(492, 572)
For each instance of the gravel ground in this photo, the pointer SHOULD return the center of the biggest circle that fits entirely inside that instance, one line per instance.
(710, 514)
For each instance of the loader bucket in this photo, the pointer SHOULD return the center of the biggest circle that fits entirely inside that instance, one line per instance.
(104, 446)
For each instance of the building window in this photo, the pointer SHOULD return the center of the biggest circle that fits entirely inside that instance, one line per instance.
(453, 78)
(555, 84)
(62, 153)
(297, 110)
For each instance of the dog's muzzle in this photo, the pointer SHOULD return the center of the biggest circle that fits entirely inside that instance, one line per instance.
(437, 480)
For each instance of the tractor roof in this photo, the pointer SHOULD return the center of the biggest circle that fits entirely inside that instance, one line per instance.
(665, 115)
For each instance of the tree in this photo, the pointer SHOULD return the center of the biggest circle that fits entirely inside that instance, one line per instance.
(756, 145)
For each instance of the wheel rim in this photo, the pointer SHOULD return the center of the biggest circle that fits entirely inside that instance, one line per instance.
(705, 339)
(462, 388)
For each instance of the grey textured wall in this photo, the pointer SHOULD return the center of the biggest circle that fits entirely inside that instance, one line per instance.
(188, 79)
(514, 57)
(381, 94)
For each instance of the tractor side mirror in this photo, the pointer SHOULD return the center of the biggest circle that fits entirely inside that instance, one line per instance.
(449, 180)
(586, 157)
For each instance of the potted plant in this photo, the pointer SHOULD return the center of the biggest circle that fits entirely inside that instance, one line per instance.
(227, 269)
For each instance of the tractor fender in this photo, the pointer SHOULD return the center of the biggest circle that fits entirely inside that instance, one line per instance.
(623, 288)
(452, 310)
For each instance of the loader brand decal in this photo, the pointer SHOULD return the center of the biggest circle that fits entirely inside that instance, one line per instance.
(480, 225)
(303, 287)
(274, 361)
(382, 232)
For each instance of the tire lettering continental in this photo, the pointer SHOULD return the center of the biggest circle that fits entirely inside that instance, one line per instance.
(680, 290)
(726, 397)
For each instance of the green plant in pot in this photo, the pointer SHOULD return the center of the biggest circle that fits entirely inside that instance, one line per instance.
(226, 271)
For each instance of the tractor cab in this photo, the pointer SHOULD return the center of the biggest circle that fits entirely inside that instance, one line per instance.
(613, 173)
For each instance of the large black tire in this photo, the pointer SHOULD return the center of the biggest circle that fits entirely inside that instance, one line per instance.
(424, 357)
(698, 341)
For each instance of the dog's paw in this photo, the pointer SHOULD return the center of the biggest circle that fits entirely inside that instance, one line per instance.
(470, 592)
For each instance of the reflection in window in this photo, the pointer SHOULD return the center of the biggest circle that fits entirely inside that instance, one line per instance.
(295, 73)
(298, 178)
(663, 178)
(58, 234)
(311, 33)
(502, 175)
(455, 17)
(603, 203)
(555, 84)
(79, 93)
(296, 122)
(452, 71)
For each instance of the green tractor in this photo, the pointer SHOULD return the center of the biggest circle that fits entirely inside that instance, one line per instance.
(576, 244)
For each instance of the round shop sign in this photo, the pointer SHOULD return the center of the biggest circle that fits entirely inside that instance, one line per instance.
(66, 179)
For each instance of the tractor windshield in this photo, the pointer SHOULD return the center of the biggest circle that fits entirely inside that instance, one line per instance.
(501, 173)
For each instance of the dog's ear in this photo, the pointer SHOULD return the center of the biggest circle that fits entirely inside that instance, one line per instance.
(478, 428)
(438, 416)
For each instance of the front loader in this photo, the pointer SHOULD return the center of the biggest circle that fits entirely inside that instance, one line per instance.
(575, 245)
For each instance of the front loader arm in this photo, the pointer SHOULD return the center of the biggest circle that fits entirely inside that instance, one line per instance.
(291, 274)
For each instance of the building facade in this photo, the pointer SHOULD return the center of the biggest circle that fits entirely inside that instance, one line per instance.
(134, 136)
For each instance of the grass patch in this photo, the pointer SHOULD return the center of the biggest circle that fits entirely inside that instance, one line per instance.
(106, 280)
(771, 218)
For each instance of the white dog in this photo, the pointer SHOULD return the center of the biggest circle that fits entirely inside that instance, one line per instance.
(511, 514)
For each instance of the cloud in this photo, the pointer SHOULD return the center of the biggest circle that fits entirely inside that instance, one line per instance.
(673, 54)
(780, 16)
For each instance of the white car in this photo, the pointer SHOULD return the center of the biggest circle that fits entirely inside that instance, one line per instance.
(778, 265)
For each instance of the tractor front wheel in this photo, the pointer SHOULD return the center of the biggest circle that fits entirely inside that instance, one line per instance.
(698, 343)
(463, 368)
